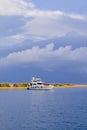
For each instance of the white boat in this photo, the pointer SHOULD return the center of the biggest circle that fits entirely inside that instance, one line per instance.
(37, 84)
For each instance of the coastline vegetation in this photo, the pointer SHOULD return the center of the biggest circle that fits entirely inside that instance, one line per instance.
(5, 85)
(13, 86)
(20, 85)
(63, 85)
(24, 85)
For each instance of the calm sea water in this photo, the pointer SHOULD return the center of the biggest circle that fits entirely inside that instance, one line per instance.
(59, 109)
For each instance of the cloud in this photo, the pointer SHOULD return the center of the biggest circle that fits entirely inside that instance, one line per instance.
(14, 7)
(46, 55)
(40, 22)
(53, 14)
(54, 23)
(22, 7)
(76, 16)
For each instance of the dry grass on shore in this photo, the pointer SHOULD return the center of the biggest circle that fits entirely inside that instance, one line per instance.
(63, 85)
(8, 86)
(70, 85)
(13, 86)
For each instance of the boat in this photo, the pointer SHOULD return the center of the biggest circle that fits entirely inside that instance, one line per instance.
(37, 84)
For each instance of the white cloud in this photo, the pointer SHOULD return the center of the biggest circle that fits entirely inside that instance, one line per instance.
(54, 23)
(46, 55)
(22, 7)
(77, 16)
(14, 7)
(53, 14)
(44, 14)
(43, 22)
(17, 37)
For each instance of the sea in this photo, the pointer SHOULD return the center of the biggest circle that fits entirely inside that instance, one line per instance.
(58, 109)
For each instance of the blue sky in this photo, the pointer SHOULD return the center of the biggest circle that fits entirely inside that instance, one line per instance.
(47, 39)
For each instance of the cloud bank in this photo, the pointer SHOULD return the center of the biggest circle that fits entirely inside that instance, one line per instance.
(45, 55)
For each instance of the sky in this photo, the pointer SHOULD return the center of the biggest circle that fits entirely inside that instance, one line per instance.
(43, 38)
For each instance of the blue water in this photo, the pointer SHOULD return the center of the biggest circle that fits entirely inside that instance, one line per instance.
(59, 109)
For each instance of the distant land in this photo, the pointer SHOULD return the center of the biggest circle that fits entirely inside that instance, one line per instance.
(9, 86)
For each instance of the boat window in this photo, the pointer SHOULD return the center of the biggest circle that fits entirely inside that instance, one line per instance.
(39, 83)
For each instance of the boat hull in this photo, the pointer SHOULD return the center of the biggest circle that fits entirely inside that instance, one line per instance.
(40, 87)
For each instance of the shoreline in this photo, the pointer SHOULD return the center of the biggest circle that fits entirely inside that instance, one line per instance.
(12, 88)
(72, 86)
(80, 86)
(19, 87)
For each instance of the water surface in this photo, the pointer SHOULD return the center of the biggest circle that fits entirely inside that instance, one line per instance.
(59, 109)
